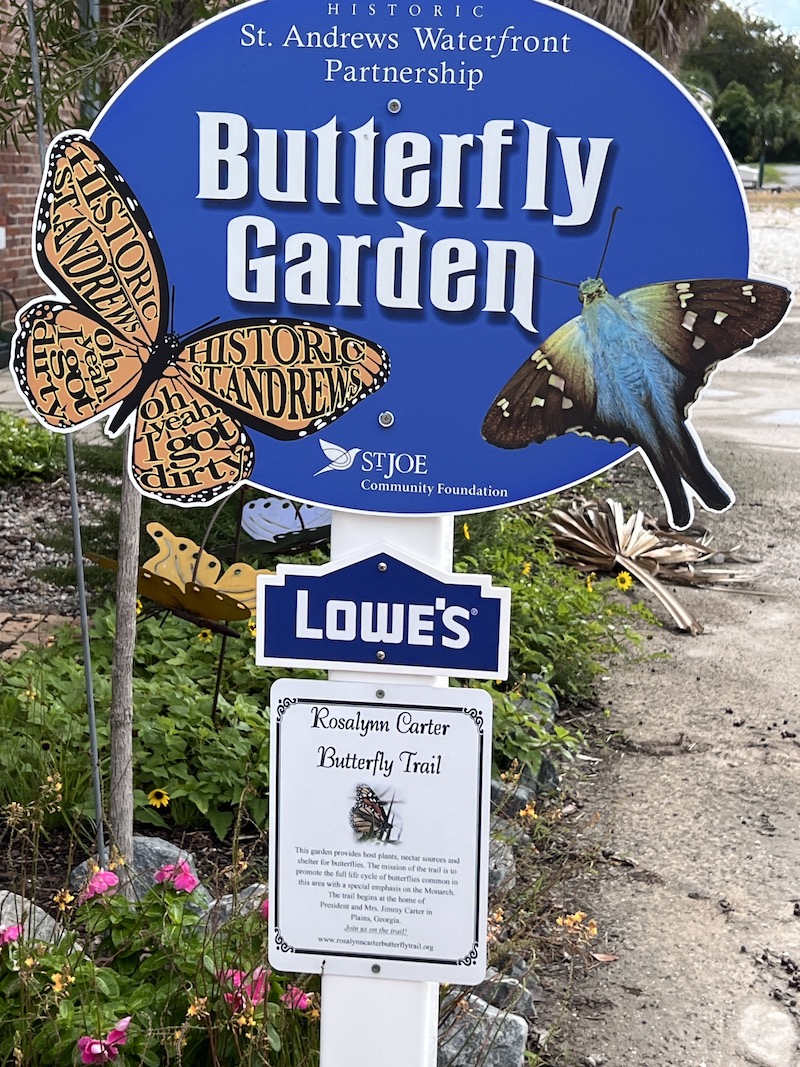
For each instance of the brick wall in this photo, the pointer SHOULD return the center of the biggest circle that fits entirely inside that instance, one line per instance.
(19, 184)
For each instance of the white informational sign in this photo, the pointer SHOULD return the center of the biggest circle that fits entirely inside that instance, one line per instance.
(379, 830)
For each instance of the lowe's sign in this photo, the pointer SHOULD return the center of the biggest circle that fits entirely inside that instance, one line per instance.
(386, 612)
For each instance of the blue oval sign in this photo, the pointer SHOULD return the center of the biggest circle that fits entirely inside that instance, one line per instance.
(415, 182)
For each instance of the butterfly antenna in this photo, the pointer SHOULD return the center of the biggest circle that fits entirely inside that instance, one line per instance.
(558, 281)
(197, 329)
(614, 214)
(172, 311)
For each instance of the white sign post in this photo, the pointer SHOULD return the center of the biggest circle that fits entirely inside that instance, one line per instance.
(390, 1022)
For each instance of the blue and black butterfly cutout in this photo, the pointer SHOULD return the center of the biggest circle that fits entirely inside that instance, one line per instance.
(629, 368)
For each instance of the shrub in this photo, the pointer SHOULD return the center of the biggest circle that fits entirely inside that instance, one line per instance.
(563, 627)
(148, 975)
(28, 452)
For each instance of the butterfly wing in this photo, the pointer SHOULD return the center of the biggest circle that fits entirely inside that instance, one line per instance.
(74, 361)
(239, 581)
(280, 524)
(185, 449)
(552, 393)
(697, 323)
(153, 586)
(286, 378)
(94, 242)
(192, 585)
(368, 817)
(69, 367)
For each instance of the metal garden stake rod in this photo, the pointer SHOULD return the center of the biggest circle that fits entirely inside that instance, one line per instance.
(73, 495)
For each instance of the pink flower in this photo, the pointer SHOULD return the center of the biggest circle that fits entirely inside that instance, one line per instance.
(99, 1050)
(264, 909)
(8, 934)
(296, 998)
(100, 882)
(247, 994)
(179, 875)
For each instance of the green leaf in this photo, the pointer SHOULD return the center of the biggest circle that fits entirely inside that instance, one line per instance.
(141, 998)
(107, 983)
(274, 1038)
(221, 821)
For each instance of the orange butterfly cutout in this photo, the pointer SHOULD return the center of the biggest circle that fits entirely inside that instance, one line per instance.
(107, 349)
(192, 582)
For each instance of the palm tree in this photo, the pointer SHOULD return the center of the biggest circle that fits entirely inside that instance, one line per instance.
(663, 28)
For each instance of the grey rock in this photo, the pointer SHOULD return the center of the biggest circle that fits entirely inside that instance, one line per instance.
(509, 830)
(150, 854)
(38, 925)
(519, 968)
(510, 798)
(474, 1032)
(502, 868)
(508, 993)
(242, 903)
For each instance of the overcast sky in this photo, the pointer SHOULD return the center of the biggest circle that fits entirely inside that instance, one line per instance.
(786, 13)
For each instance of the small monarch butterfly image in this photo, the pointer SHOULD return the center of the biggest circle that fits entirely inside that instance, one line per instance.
(104, 346)
(371, 818)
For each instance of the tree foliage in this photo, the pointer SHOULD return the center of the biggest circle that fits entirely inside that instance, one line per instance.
(735, 115)
(756, 70)
(747, 49)
(83, 61)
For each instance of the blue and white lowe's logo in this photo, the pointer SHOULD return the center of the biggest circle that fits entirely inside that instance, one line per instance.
(385, 624)
(411, 618)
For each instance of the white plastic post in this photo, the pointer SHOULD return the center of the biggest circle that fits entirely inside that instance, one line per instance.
(383, 1022)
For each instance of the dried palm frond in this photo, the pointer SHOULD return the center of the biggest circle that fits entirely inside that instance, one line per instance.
(596, 537)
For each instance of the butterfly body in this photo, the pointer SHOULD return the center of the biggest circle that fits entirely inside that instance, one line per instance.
(104, 346)
(371, 818)
(629, 368)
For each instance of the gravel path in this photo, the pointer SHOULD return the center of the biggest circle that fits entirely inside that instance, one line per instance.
(775, 244)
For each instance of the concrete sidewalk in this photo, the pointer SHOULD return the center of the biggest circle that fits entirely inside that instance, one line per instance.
(10, 398)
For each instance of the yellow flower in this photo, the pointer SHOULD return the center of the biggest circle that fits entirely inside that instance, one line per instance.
(251, 627)
(59, 985)
(526, 569)
(198, 1008)
(204, 636)
(529, 813)
(466, 531)
(29, 961)
(28, 694)
(139, 606)
(63, 898)
(590, 580)
(624, 581)
(157, 798)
